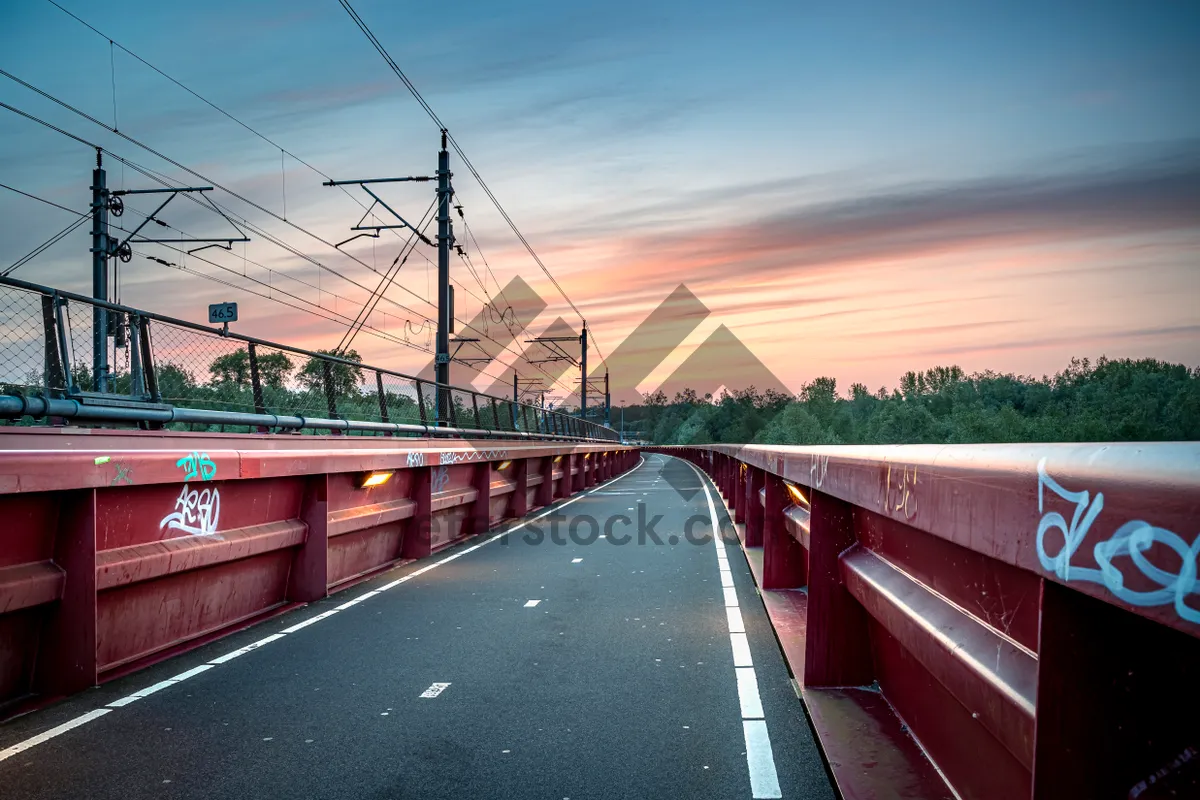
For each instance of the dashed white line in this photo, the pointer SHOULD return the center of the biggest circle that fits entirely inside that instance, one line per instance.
(33, 741)
(434, 690)
(46, 736)
(741, 650)
(576, 560)
(531, 603)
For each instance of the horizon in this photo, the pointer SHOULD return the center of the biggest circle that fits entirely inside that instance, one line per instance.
(841, 216)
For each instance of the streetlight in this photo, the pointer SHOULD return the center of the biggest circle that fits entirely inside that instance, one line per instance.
(622, 422)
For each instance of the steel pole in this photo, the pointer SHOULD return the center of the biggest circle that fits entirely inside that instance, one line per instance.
(445, 237)
(99, 278)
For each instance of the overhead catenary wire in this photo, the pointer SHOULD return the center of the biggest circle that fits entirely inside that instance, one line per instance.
(366, 30)
(165, 182)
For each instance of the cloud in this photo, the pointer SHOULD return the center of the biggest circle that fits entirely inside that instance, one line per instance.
(1152, 196)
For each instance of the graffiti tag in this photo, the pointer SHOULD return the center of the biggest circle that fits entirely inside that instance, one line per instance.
(197, 512)
(817, 470)
(900, 490)
(197, 463)
(441, 476)
(1131, 540)
(416, 459)
(460, 456)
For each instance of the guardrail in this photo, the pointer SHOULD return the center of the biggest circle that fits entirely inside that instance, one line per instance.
(122, 548)
(1002, 621)
(176, 373)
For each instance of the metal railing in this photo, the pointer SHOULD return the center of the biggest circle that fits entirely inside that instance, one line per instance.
(164, 372)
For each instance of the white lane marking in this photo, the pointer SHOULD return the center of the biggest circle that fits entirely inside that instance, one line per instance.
(33, 741)
(576, 560)
(760, 760)
(747, 683)
(191, 673)
(310, 621)
(241, 652)
(764, 782)
(46, 736)
(434, 690)
(741, 650)
(531, 603)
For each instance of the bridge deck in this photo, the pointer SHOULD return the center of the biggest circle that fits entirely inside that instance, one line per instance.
(619, 682)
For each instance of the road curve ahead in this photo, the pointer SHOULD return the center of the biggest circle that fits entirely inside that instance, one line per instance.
(551, 662)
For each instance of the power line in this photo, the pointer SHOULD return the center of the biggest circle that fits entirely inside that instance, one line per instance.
(262, 233)
(362, 25)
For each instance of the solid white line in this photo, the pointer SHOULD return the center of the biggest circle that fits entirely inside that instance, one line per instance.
(733, 615)
(531, 603)
(764, 782)
(741, 650)
(747, 683)
(21, 747)
(760, 761)
(124, 701)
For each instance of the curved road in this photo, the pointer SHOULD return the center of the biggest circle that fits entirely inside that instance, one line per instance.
(538, 663)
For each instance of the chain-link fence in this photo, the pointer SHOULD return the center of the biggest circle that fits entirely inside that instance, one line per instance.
(150, 361)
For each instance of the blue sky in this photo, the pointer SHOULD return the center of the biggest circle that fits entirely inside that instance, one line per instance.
(1001, 185)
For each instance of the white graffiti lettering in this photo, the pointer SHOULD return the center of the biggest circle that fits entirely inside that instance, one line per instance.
(461, 456)
(416, 459)
(197, 512)
(1131, 540)
(441, 476)
(817, 470)
(900, 489)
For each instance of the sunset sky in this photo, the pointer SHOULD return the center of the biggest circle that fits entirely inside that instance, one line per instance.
(853, 189)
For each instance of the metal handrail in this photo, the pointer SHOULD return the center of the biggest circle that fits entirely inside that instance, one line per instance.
(582, 429)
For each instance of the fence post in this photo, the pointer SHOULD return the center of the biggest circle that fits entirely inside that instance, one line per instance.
(421, 403)
(309, 576)
(784, 565)
(545, 495)
(54, 377)
(418, 541)
(260, 407)
(330, 395)
(67, 660)
(151, 377)
(475, 407)
(495, 415)
(519, 506)
(480, 518)
(837, 650)
(752, 508)
(383, 405)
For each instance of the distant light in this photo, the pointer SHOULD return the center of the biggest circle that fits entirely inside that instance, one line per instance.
(557, 459)
(503, 465)
(796, 494)
(375, 478)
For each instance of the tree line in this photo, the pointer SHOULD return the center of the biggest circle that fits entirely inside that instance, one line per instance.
(1106, 400)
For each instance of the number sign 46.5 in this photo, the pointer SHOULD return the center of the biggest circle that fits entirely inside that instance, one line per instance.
(222, 312)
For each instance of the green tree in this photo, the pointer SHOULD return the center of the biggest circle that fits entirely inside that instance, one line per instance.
(345, 377)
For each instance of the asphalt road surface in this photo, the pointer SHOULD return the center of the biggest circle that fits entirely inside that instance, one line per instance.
(551, 662)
